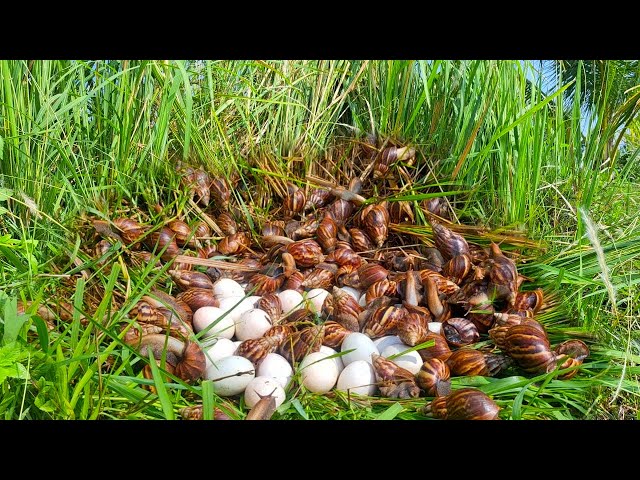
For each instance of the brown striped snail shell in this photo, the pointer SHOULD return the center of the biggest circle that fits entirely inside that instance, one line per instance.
(388, 157)
(280, 332)
(197, 298)
(234, 244)
(530, 349)
(401, 212)
(413, 328)
(382, 288)
(460, 331)
(227, 224)
(482, 316)
(305, 229)
(270, 303)
(463, 404)
(433, 378)
(383, 321)
(443, 284)
(186, 279)
(294, 282)
(163, 240)
(275, 229)
(470, 362)
(440, 349)
(219, 190)
(306, 252)
(318, 198)
(340, 210)
(130, 230)
(322, 276)
(326, 235)
(182, 232)
(457, 268)
(345, 256)
(531, 300)
(334, 334)
(570, 353)
(503, 276)
(294, 200)
(343, 308)
(376, 224)
(301, 343)
(370, 273)
(255, 349)
(448, 242)
(393, 380)
(261, 284)
(360, 241)
(186, 359)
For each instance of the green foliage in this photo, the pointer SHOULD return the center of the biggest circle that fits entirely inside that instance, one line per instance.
(80, 138)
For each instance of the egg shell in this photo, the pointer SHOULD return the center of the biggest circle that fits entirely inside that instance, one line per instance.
(263, 386)
(363, 300)
(315, 299)
(236, 306)
(435, 327)
(363, 345)
(357, 378)
(222, 348)
(225, 375)
(328, 351)
(383, 342)
(317, 373)
(252, 324)
(223, 325)
(226, 287)
(411, 361)
(354, 292)
(290, 300)
(237, 343)
(275, 366)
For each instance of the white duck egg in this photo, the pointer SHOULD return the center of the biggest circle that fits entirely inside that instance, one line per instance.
(317, 373)
(290, 300)
(236, 306)
(355, 293)
(223, 325)
(222, 348)
(262, 387)
(226, 287)
(435, 327)
(237, 343)
(411, 360)
(328, 351)
(252, 324)
(358, 378)
(276, 366)
(383, 342)
(315, 299)
(363, 300)
(230, 375)
(363, 346)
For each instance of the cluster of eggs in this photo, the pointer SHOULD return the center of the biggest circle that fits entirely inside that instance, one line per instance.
(237, 319)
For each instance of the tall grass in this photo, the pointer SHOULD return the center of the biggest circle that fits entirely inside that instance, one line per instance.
(80, 138)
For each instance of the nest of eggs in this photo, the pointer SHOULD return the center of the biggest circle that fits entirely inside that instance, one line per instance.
(328, 293)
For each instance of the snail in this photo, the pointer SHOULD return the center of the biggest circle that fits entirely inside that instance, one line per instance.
(463, 404)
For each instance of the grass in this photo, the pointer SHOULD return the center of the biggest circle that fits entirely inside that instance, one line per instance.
(82, 139)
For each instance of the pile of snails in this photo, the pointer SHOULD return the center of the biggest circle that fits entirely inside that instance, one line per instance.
(325, 296)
